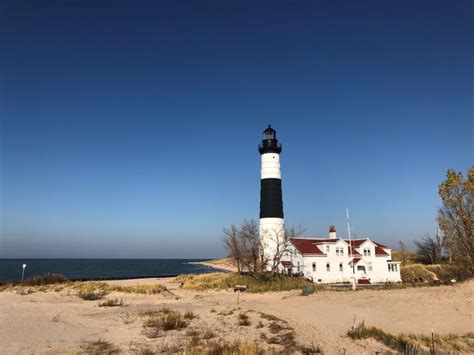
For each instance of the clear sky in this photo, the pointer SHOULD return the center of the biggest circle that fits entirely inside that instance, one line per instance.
(130, 128)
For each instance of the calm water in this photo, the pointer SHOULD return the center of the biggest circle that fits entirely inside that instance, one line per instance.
(10, 269)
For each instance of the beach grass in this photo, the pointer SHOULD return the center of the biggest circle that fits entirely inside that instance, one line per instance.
(448, 342)
(113, 302)
(255, 283)
(420, 273)
(163, 320)
(99, 347)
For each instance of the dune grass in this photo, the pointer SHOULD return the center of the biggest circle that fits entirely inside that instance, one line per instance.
(99, 347)
(450, 342)
(255, 283)
(113, 302)
(420, 273)
(162, 321)
(226, 348)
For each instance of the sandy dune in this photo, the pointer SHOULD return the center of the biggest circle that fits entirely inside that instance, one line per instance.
(60, 322)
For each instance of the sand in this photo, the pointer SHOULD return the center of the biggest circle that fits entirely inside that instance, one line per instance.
(60, 322)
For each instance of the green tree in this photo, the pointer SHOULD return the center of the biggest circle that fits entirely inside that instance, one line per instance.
(455, 217)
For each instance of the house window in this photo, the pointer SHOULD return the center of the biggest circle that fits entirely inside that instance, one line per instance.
(327, 248)
(298, 266)
(366, 252)
(370, 266)
(389, 267)
(340, 267)
(337, 251)
(314, 266)
(328, 267)
(340, 251)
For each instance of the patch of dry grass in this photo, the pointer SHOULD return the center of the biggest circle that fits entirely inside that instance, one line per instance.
(162, 321)
(226, 348)
(99, 347)
(91, 295)
(443, 273)
(113, 302)
(244, 320)
(255, 283)
(451, 342)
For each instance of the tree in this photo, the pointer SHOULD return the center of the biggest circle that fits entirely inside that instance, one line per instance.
(245, 246)
(455, 217)
(403, 251)
(232, 243)
(430, 249)
(251, 246)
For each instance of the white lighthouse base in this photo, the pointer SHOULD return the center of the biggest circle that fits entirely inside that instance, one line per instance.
(272, 237)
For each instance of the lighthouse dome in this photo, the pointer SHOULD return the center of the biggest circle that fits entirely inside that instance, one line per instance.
(269, 142)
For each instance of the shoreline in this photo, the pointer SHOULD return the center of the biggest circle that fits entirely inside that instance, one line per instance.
(219, 268)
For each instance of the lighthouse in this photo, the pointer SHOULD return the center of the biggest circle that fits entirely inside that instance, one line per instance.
(272, 223)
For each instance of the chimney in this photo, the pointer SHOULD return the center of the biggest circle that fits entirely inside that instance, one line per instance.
(332, 232)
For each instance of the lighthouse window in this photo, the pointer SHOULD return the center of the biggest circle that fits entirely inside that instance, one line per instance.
(314, 266)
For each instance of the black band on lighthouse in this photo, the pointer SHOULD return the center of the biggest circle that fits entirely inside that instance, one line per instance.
(271, 202)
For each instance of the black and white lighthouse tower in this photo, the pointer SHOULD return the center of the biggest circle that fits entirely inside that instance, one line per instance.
(272, 223)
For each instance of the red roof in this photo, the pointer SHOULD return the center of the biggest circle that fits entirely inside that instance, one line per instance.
(355, 243)
(381, 245)
(327, 240)
(286, 263)
(354, 261)
(380, 251)
(306, 246)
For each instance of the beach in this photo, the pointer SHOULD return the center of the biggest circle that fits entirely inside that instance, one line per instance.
(59, 322)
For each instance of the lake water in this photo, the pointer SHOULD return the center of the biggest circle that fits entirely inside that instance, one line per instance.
(10, 269)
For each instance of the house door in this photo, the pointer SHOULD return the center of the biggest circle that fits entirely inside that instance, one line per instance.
(361, 272)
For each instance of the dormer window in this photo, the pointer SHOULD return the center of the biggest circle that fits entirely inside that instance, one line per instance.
(327, 249)
(367, 252)
(340, 251)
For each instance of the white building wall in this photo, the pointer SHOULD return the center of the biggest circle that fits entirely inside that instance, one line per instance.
(376, 267)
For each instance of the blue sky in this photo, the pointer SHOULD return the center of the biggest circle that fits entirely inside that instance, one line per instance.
(130, 129)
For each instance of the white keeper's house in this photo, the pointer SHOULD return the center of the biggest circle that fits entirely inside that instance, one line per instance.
(337, 260)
